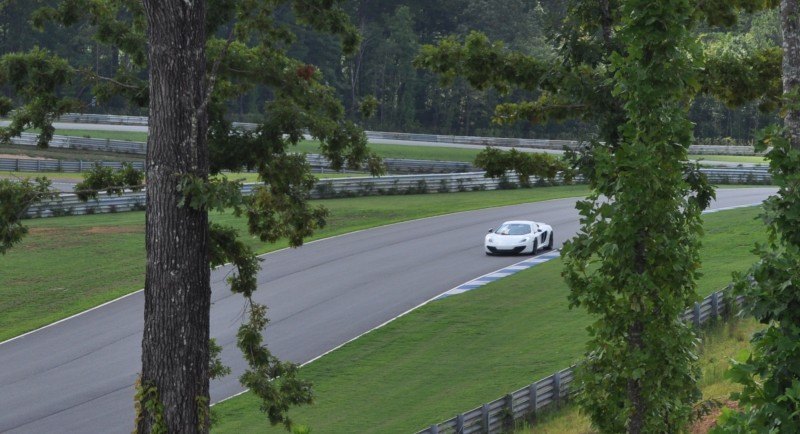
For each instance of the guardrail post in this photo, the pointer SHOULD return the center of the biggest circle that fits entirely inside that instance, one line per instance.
(80, 165)
(508, 420)
(59, 166)
(16, 165)
(533, 398)
(38, 165)
(485, 417)
(460, 423)
(715, 305)
(696, 315)
(434, 429)
(557, 388)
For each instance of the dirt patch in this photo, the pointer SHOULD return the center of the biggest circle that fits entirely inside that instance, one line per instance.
(43, 231)
(113, 230)
(23, 157)
(705, 423)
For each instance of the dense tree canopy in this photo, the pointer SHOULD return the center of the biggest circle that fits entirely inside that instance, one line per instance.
(410, 100)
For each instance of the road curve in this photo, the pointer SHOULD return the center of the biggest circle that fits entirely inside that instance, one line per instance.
(77, 376)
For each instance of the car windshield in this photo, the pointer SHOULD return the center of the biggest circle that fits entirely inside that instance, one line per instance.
(513, 229)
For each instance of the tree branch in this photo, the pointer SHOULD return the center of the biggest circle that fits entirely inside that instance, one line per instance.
(112, 81)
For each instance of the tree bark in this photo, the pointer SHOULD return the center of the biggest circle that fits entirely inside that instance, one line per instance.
(177, 289)
(790, 27)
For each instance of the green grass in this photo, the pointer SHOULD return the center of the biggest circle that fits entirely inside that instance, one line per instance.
(67, 154)
(128, 136)
(409, 152)
(452, 355)
(68, 264)
(50, 175)
(730, 158)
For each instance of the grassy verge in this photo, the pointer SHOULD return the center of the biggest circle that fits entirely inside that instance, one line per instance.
(730, 158)
(422, 152)
(128, 136)
(49, 175)
(720, 344)
(68, 264)
(67, 154)
(452, 355)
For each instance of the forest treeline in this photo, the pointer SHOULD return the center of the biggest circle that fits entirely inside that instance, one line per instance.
(409, 99)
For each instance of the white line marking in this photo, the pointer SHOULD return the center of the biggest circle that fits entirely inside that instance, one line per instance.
(70, 317)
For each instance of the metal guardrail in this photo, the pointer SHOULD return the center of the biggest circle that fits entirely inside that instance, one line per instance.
(326, 188)
(88, 118)
(480, 141)
(501, 414)
(555, 145)
(435, 138)
(69, 204)
(738, 175)
(402, 165)
(397, 165)
(391, 185)
(417, 184)
(75, 142)
(41, 165)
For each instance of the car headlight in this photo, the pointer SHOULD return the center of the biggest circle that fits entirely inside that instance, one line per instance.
(491, 240)
(524, 240)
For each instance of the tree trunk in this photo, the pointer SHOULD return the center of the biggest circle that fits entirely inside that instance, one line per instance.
(790, 27)
(636, 345)
(636, 421)
(177, 289)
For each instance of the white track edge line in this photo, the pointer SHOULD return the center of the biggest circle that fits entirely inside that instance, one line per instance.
(70, 317)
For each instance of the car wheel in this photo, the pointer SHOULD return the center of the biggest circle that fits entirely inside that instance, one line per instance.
(550, 243)
(535, 247)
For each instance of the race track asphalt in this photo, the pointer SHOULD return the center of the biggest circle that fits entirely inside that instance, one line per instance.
(77, 376)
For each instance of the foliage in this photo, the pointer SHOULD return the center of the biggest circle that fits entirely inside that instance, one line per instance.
(275, 382)
(16, 196)
(635, 262)
(101, 178)
(216, 368)
(37, 76)
(147, 399)
(544, 166)
(770, 375)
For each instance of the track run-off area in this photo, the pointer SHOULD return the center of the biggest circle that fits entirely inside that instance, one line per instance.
(78, 375)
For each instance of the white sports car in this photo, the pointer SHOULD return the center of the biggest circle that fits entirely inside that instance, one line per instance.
(519, 236)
